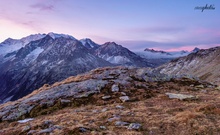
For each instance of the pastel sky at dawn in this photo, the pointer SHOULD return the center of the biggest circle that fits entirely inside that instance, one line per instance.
(136, 24)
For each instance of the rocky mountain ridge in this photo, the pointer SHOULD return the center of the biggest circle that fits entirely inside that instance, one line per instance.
(115, 100)
(204, 64)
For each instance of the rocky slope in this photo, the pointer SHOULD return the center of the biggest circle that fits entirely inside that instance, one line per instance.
(204, 64)
(116, 100)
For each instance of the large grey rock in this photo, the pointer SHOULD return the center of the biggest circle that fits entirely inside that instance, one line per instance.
(74, 89)
(180, 96)
(25, 120)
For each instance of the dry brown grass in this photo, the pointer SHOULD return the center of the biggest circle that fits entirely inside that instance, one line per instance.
(148, 106)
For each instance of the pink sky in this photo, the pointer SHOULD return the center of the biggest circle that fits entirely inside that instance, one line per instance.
(134, 24)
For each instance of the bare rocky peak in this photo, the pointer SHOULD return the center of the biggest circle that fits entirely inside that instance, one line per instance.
(117, 54)
(204, 64)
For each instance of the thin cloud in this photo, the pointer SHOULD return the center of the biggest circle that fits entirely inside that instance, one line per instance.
(43, 7)
(157, 30)
(138, 45)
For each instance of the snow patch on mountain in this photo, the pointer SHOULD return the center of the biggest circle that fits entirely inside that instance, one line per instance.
(10, 45)
(55, 35)
(33, 55)
(88, 43)
(33, 37)
(4, 49)
(118, 59)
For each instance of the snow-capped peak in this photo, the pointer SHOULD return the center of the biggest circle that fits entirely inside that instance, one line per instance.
(9, 41)
(88, 43)
(55, 35)
(32, 37)
(11, 45)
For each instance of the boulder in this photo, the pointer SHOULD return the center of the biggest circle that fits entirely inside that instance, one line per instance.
(180, 96)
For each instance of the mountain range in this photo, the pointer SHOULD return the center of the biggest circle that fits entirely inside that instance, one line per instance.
(57, 84)
(39, 59)
(28, 63)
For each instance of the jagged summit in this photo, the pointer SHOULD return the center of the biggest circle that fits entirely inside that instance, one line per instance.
(118, 54)
(55, 35)
(110, 43)
(88, 43)
(196, 49)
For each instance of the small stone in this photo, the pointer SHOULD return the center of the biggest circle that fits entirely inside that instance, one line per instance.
(130, 113)
(31, 132)
(120, 107)
(204, 91)
(115, 88)
(58, 127)
(83, 129)
(135, 126)
(123, 93)
(26, 128)
(210, 86)
(47, 123)
(95, 111)
(115, 117)
(124, 98)
(217, 88)
(106, 97)
(104, 109)
(103, 127)
(121, 123)
(48, 130)
(64, 101)
(199, 86)
(180, 96)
